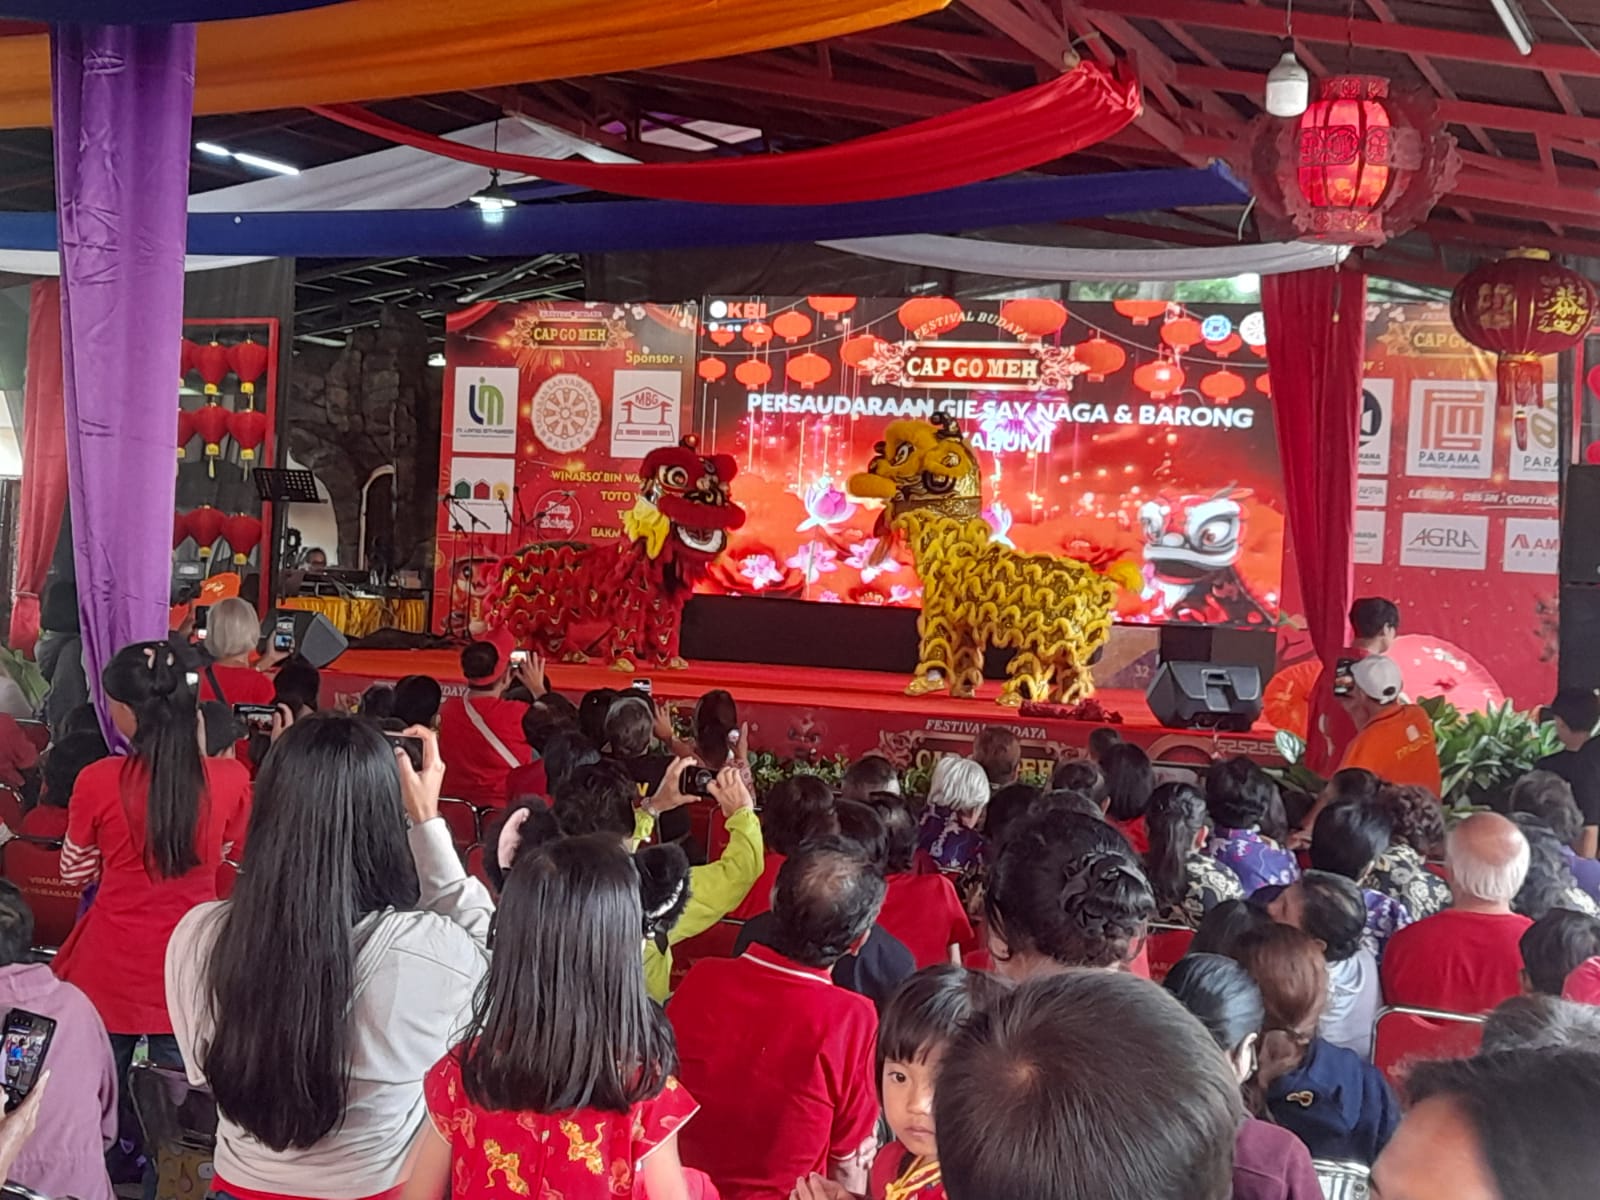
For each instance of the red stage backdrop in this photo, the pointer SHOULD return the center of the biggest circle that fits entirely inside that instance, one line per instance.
(549, 406)
(1100, 431)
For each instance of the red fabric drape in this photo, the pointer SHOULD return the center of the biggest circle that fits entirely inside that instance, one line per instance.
(984, 141)
(44, 461)
(1316, 336)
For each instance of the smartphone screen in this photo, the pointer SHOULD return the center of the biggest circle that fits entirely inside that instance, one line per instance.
(257, 718)
(1344, 682)
(643, 685)
(518, 657)
(283, 635)
(24, 1043)
(200, 611)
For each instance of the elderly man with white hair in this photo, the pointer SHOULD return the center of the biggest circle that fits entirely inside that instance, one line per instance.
(1466, 959)
(958, 794)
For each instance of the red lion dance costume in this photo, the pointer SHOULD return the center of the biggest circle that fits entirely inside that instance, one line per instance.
(624, 601)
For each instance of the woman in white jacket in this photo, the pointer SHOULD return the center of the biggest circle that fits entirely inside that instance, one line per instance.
(313, 1002)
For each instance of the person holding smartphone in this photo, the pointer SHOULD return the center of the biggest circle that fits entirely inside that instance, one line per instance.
(480, 734)
(232, 633)
(1394, 740)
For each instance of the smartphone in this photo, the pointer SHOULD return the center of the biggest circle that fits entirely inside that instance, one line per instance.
(643, 685)
(24, 1043)
(257, 718)
(518, 657)
(200, 611)
(1344, 680)
(411, 745)
(283, 635)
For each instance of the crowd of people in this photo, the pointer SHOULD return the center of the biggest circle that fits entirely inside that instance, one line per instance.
(665, 986)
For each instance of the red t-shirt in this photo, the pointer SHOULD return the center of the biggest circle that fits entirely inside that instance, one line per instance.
(1136, 831)
(1329, 728)
(781, 1062)
(530, 780)
(1460, 962)
(474, 770)
(240, 685)
(117, 952)
(925, 913)
(585, 1154)
(759, 898)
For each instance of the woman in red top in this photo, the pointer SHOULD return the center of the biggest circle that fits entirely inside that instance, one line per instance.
(923, 911)
(232, 631)
(563, 1085)
(1129, 781)
(152, 827)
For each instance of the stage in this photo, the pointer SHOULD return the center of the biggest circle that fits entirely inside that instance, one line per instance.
(818, 713)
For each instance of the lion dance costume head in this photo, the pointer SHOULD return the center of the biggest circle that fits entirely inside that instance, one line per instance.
(685, 508)
(1054, 612)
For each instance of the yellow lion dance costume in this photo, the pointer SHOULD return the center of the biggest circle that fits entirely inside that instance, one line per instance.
(1054, 612)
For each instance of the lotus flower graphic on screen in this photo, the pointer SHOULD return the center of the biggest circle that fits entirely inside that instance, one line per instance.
(760, 570)
(814, 560)
(860, 557)
(998, 515)
(826, 504)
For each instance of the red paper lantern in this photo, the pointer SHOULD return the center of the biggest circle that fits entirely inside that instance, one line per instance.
(249, 361)
(711, 369)
(249, 430)
(1180, 333)
(205, 527)
(1160, 378)
(1101, 356)
(244, 535)
(180, 529)
(185, 431)
(211, 423)
(791, 326)
(757, 333)
(1359, 167)
(808, 369)
(1264, 383)
(858, 349)
(1520, 308)
(1140, 312)
(753, 373)
(1222, 386)
(1038, 318)
(1227, 345)
(832, 307)
(920, 316)
(722, 336)
(186, 349)
(1591, 454)
(211, 360)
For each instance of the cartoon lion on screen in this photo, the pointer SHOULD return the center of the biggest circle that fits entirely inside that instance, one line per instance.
(1054, 612)
(623, 602)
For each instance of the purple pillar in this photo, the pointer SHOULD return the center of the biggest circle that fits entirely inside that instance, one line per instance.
(123, 99)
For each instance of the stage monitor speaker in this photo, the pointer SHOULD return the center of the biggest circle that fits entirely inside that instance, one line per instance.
(315, 638)
(1580, 526)
(1198, 695)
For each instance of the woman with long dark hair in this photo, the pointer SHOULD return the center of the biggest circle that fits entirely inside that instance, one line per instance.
(314, 1000)
(152, 827)
(1187, 882)
(563, 1084)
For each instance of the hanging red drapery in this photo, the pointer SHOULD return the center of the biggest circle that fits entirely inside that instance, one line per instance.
(984, 141)
(1316, 333)
(44, 462)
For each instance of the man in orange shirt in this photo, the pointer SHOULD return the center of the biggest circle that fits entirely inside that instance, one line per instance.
(1375, 622)
(1394, 740)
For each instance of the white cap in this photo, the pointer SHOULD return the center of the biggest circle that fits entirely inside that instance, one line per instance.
(1379, 677)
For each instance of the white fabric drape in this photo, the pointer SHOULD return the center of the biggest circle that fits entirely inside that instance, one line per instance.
(1014, 260)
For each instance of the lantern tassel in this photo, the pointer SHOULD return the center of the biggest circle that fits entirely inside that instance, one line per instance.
(1520, 379)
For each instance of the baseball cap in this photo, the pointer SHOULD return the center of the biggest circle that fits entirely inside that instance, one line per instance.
(1378, 676)
(504, 643)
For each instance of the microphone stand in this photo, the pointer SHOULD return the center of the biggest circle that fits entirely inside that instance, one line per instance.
(449, 503)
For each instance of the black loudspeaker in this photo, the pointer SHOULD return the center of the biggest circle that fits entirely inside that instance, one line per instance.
(315, 638)
(1580, 526)
(1199, 695)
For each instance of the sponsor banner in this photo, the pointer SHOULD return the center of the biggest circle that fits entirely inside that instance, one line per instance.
(1451, 430)
(480, 492)
(1377, 427)
(1372, 493)
(1541, 459)
(1438, 540)
(1369, 528)
(485, 410)
(646, 407)
(1532, 545)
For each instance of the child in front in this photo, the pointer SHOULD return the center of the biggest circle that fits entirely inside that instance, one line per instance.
(920, 1021)
(564, 1083)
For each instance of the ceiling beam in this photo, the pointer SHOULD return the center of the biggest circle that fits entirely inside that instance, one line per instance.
(1044, 40)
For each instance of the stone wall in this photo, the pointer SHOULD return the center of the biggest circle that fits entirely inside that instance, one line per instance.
(374, 402)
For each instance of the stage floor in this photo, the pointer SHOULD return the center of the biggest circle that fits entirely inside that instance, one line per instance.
(798, 711)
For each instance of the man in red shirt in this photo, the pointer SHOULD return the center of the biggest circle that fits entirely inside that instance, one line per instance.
(780, 1059)
(1376, 623)
(1466, 959)
(480, 734)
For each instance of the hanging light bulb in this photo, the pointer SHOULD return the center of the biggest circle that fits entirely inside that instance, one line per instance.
(493, 200)
(1288, 86)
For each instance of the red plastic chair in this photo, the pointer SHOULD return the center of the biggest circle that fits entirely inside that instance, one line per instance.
(1402, 1037)
(36, 732)
(462, 820)
(716, 942)
(34, 865)
(1165, 946)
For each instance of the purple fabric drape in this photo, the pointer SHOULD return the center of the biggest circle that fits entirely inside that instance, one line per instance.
(123, 98)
